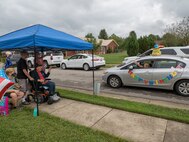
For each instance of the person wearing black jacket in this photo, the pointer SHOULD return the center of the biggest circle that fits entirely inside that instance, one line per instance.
(39, 76)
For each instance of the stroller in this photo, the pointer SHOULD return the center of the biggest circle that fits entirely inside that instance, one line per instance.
(41, 93)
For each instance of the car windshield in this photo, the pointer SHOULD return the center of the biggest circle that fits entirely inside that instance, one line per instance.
(121, 65)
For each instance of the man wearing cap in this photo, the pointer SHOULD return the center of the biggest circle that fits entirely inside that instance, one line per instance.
(23, 75)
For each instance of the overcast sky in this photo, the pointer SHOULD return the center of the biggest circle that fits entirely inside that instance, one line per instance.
(79, 17)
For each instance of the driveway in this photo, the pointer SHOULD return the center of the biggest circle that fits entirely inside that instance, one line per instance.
(73, 78)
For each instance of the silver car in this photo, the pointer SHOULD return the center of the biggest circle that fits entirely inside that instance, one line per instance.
(163, 72)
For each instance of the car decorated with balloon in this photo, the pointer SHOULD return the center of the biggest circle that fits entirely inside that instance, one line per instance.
(163, 72)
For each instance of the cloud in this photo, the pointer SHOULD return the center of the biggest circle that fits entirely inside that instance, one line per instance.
(80, 17)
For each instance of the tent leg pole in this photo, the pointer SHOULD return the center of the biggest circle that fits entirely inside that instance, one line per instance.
(93, 70)
(36, 93)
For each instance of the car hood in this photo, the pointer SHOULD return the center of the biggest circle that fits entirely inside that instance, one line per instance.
(112, 69)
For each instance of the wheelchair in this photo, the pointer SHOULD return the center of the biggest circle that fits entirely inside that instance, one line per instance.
(41, 93)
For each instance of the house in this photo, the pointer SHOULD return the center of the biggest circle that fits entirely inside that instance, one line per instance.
(107, 46)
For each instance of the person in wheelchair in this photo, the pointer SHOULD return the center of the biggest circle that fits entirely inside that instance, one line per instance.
(40, 78)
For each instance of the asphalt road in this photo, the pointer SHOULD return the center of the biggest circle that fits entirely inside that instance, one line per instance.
(81, 79)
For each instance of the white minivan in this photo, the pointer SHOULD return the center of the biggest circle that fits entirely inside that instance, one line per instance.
(178, 51)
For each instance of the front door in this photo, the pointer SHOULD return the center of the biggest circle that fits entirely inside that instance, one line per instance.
(139, 75)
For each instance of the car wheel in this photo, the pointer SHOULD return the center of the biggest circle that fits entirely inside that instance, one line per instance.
(86, 67)
(114, 81)
(30, 64)
(182, 88)
(46, 64)
(63, 66)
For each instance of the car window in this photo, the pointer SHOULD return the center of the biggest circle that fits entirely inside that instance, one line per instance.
(168, 52)
(143, 64)
(80, 57)
(74, 57)
(84, 57)
(57, 53)
(166, 64)
(185, 51)
(147, 53)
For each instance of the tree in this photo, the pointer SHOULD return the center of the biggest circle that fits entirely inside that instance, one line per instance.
(96, 44)
(143, 44)
(151, 41)
(118, 39)
(180, 29)
(89, 35)
(132, 45)
(103, 34)
(170, 40)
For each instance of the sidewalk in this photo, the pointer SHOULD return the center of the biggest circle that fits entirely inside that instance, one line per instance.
(130, 126)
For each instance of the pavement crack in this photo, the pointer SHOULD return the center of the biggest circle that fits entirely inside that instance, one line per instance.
(165, 132)
(102, 117)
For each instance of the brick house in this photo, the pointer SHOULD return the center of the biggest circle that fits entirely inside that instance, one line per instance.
(107, 46)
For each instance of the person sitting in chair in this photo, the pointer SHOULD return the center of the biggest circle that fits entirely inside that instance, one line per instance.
(13, 92)
(39, 76)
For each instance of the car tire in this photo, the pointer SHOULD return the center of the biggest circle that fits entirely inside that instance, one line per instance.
(30, 64)
(86, 67)
(63, 66)
(182, 88)
(46, 64)
(114, 81)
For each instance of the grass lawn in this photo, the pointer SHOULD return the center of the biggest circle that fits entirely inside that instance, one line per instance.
(114, 58)
(142, 108)
(21, 126)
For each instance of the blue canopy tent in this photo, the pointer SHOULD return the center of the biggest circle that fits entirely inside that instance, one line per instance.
(41, 38)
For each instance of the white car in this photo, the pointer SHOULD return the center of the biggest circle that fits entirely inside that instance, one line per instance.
(179, 51)
(83, 61)
(51, 58)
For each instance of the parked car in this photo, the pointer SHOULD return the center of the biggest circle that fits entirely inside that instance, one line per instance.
(83, 61)
(179, 51)
(164, 72)
(50, 58)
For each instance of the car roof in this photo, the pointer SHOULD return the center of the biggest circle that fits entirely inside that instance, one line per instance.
(162, 57)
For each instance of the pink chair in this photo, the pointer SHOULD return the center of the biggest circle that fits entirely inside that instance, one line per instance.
(4, 106)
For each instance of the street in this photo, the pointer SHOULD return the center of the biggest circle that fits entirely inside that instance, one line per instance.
(76, 78)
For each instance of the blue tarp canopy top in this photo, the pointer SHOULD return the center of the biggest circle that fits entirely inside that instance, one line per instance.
(42, 38)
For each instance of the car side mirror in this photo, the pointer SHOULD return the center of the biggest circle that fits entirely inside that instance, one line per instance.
(130, 67)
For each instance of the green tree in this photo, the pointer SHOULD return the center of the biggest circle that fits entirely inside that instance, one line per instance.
(118, 39)
(143, 44)
(151, 41)
(170, 40)
(103, 34)
(132, 45)
(96, 44)
(89, 35)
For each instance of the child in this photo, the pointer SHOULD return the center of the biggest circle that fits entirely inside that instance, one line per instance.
(8, 62)
(14, 94)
